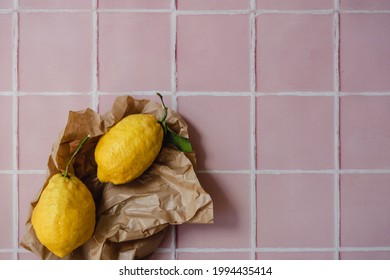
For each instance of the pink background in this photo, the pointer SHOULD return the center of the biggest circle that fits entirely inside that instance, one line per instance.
(287, 101)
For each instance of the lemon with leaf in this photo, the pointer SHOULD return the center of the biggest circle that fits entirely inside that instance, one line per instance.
(64, 217)
(130, 147)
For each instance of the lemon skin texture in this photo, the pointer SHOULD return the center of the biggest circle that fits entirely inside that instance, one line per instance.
(64, 217)
(128, 148)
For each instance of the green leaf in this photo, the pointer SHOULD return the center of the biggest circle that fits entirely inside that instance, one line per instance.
(182, 143)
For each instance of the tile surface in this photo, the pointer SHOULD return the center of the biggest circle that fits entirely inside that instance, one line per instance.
(6, 209)
(213, 256)
(55, 4)
(364, 202)
(6, 4)
(295, 256)
(7, 128)
(295, 132)
(213, 4)
(365, 5)
(55, 52)
(293, 4)
(129, 60)
(134, 4)
(364, 52)
(365, 255)
(295, 210)
(222, 138)
(295, 52)
(28, 187)
(201, 65)
(6, 52)
(365, 132)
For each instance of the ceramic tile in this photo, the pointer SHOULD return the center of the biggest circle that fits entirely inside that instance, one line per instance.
(6, 127)
(41, 119)
(364, 204)
(6, 256)
(201, 65)
(6, 210)
(294, 52)
(365, 255)
(213, 4)
(6, 52)
(27, 256)
(364, 132)
(213, 256)
(134, 4)
(128, 58)
(55, 4)
(294, 4)
(295, 256)
(6, 4)
(29, 187)
(219, 128)
(364, 52)
(365, 5)
(295, 132)
(55, 52)
(295, 210)
(231, 198)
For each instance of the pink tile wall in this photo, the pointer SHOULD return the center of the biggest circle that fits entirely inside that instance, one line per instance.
(6, 51)
(287, 104)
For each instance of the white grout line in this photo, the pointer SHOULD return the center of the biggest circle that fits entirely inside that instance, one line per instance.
(95, 37)
(295, 93)
(243, 250)
(7, 93)
(364, 94)
(173, 50)
(364, 249)
(300, 12)
(134, 10)
(149, 92)
(53, 93)
(214, 250)
(365, 11)
(214, 12)
(6, 11)
(337, 150)
(198, 12)
(15, 87)
(213, 93)
(72, 11)
(296, 171)
(242, 171)
(252, 59)
(294, 250)
(194, 93)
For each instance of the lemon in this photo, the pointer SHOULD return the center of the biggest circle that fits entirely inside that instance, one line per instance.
(64, 217)
(128, 148)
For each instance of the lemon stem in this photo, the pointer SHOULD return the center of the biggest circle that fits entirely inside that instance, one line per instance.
(164, 107)
(65, 174)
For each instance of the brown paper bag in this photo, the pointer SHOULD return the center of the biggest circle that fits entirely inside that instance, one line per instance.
(132, 218)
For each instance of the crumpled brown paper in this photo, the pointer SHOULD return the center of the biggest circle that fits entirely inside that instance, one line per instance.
(132, 218)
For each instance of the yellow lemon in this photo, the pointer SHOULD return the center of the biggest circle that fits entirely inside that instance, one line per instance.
(64, 217)
(128, 148)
